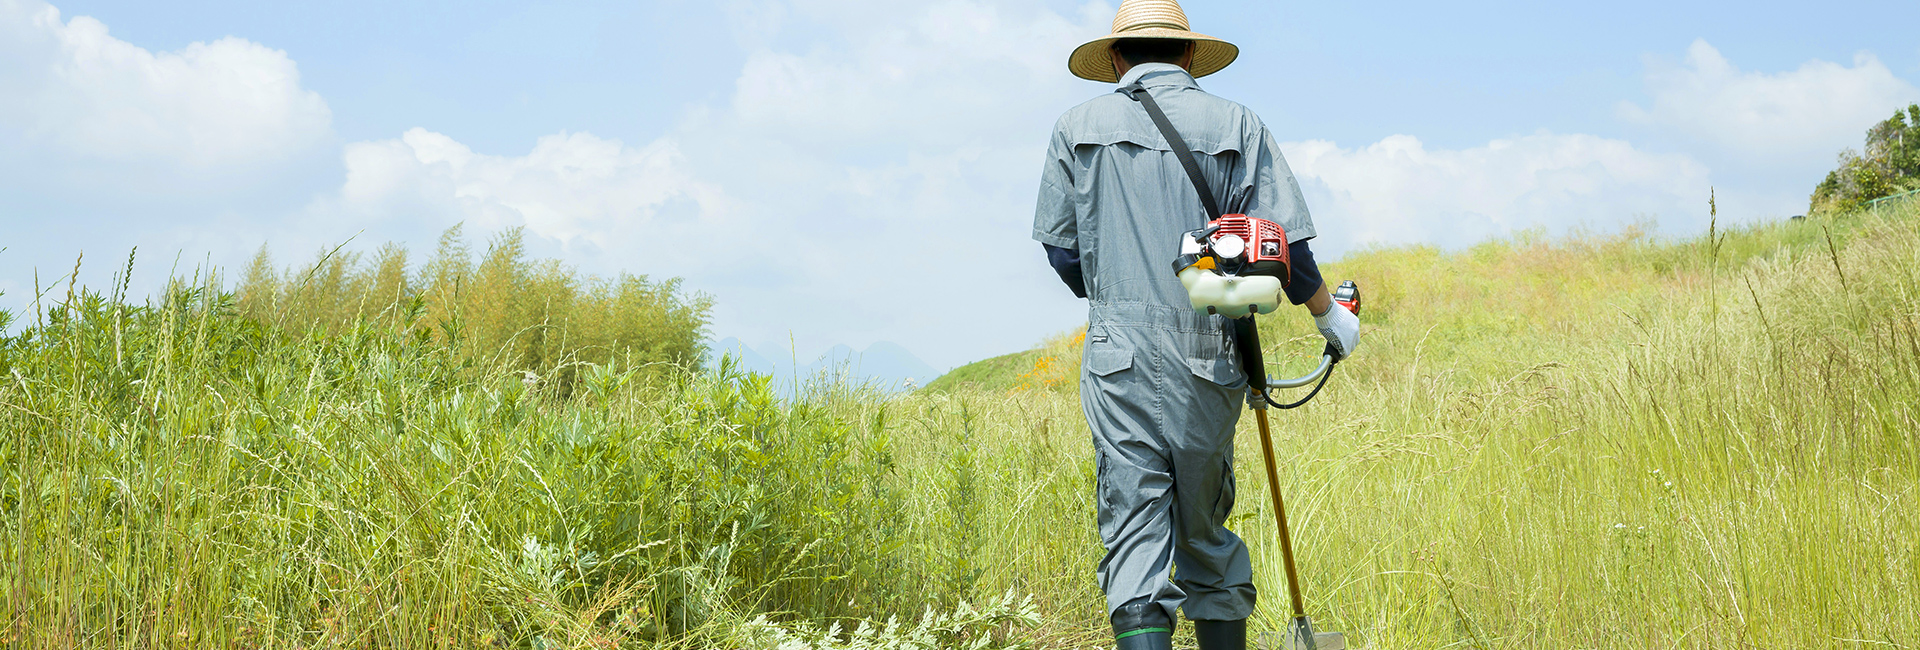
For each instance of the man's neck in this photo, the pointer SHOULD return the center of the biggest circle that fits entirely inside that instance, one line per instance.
(1136, 72)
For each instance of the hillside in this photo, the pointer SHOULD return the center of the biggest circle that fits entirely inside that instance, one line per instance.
(1594, 442)
(1602, 441)
(1525, 293)
(997, 373)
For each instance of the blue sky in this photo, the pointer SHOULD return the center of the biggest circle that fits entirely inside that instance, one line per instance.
(848, 172)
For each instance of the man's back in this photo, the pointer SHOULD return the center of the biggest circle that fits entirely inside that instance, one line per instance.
(1114, 190)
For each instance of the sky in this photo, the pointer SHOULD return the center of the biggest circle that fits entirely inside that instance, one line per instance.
(848, 172)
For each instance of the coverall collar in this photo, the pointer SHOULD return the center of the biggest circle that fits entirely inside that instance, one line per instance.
(1154, 73)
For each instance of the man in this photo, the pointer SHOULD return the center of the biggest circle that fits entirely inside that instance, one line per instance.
(1160, 384)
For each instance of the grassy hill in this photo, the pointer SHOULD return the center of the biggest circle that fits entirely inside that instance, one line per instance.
(998, 373)
(1601, 441)
(1053, 366)
(1610, 441)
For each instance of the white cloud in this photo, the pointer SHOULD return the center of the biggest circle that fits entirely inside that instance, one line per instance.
(891, 151)
(574, 188)
(1398, 191)
(75, 90)
(866, 188)
(873, 171)
(904, 75)
(871, 177)
(1787, 118)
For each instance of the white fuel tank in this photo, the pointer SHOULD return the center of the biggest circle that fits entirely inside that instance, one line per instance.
(1230, 296)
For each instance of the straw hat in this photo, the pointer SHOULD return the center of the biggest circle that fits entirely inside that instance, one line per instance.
(1150, 19)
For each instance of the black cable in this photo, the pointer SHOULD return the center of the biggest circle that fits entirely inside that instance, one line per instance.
(1316, 391)
(1246, 342)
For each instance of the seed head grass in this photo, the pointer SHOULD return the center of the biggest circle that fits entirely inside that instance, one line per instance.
(1597, 441)
(1594, 441)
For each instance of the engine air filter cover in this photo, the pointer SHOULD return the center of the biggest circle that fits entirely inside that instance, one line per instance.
(1261, 242)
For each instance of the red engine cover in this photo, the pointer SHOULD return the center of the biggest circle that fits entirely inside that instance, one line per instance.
(1266, 246)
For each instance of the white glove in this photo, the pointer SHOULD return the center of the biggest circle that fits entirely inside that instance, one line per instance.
(1341, 328)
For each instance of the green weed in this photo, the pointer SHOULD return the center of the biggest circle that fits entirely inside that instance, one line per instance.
(1596, 442)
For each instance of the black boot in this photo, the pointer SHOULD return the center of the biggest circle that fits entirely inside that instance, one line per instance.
(1221, 635)
(1142, 626)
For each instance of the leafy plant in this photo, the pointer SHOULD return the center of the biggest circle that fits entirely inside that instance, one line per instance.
(1599, 442)
(1890, 165)
(966, 627)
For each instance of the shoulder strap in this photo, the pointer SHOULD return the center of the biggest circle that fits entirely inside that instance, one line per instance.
(1139, 93)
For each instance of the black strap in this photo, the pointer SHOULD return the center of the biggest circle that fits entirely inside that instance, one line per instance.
(1139, 94)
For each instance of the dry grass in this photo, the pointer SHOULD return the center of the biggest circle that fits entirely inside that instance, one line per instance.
(1600, 442)
(504, 309)
(1603, 442)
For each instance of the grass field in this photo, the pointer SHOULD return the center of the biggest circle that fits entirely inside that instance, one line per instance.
(1609, 441)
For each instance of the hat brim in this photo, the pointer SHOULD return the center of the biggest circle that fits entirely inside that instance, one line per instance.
(1092, 62)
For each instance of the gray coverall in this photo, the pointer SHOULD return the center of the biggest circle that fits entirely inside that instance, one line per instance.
(1160, 385)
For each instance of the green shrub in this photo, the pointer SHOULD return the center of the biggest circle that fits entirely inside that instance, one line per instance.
(506, 310)
(1890, 165)
(181, 473)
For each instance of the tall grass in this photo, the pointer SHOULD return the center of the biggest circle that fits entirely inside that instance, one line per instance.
(193, 472)
(1627, 444)
(1596, 442)
(501, 310)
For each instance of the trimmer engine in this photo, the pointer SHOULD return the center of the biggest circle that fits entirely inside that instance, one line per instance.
(1239, 245)
(1235, 266)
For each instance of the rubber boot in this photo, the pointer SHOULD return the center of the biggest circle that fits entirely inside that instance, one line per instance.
(1221, 635)
(1145, 641)
(1142, 626)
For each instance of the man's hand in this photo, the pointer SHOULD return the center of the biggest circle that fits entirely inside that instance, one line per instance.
(1341, 328)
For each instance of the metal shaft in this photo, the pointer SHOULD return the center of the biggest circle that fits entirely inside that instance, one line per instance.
(1280, 514)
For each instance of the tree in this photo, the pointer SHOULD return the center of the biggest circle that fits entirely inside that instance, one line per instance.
(1889, 164)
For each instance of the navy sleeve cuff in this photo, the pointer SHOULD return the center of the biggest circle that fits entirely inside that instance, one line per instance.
(1306, 274)
(1066, 262)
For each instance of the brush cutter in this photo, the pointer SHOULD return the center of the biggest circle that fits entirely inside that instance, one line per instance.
(1236, 267)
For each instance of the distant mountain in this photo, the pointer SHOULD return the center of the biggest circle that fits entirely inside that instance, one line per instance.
(884, 364)
(745, 356)
(888, 362)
